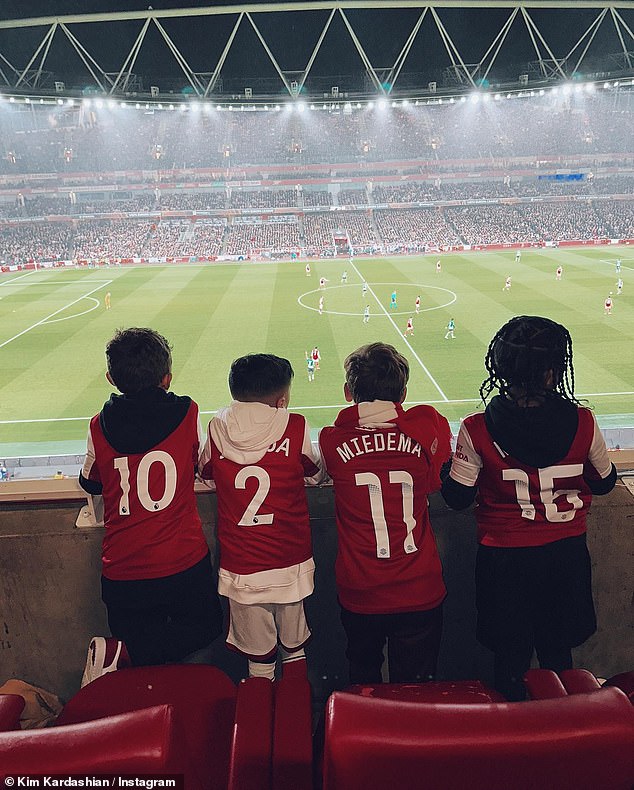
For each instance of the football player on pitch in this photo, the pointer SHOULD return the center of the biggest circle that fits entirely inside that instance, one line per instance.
(383, 462)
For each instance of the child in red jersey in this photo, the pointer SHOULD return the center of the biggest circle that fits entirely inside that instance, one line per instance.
(258, 455)
(383, 462)
(533, 459)
(157, 580)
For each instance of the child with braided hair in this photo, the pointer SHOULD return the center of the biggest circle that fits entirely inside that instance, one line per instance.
(532, 461)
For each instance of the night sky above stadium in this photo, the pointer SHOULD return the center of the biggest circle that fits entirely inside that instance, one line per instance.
(292, 36)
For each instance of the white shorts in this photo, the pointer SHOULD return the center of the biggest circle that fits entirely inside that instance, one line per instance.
(256, 629)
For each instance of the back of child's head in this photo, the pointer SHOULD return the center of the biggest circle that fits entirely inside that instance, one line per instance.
(260, 378)
(530, 357)
(138, 358)
(376, 372)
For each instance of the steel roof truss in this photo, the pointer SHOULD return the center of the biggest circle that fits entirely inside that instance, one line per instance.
(402, 57)
(221, 61)
(366, 61)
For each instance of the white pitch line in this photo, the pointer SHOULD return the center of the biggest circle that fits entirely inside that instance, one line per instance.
(61, 309)
(400, 334)
(76, 315)
(14, 279)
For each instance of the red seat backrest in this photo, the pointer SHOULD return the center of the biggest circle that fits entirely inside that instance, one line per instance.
(252, 742)
(471, 692)
(203, 698)
(579, 681)
(11, 706)
(141, 741)
(583, 741)
(292, 735)
(544, 684)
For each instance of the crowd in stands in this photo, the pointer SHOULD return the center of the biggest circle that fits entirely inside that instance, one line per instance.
(263, 198)
(414, 229)
(69, 139)
(491, 224)
(315, 233)
(243, 238)
(353, 197)
(317, 197)
(408, 192)
(41, 241)
(109, 239)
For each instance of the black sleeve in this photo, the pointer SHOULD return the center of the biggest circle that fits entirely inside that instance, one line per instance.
(602, 485)
(456, 495)
(90, 486)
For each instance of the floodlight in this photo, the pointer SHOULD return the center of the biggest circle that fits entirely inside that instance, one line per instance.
(266, 106)
(393, 104)
(606, 84)
(182, 107)
(405, 103)
(497, 97)
(541, 93)
(41, 101)
(137, 106)
(475, 98)
(300, 106)
(381, 103)
(277, 108)
(12, 99)
(616, 83)
(312, 106)
(111, 103)
(566, 89)
(60, 101)
(463, 99)
(122, 104)
(370, 105)
(86, 102)
(358, 106)
(578, 88)
(98, 104)
(589, 87)
(70, 102)
(27, 100)
(195, 106)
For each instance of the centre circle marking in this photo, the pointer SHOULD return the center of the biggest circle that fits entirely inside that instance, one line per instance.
(357, 285)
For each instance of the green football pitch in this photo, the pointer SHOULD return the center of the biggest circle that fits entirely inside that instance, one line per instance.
(53, 329)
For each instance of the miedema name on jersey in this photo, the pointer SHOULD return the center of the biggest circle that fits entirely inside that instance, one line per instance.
(378, 442)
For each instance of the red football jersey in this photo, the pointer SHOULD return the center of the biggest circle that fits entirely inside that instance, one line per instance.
(520, 505)
(263, 520)
(387, 559)
(152, 524)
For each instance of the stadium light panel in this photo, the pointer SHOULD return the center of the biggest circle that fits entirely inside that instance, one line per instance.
(589, 87)
(541, 93)
(12, 99)
(195, 106)
(266, 107)
(405, 103)
(566, 89)
(616, 83)
(463, 99)
(122, 104)
(358, 105)
(300, 106)
(606, 85)
(382, 103)
(370, 105)
(277, 108)
(137, 106)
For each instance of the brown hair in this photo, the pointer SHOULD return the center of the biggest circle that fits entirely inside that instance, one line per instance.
(376, 372)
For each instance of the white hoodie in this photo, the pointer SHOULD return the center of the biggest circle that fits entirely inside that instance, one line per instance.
(243, 432)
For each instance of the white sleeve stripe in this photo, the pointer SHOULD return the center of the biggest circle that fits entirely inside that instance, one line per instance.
(598, 454)
(466, 463)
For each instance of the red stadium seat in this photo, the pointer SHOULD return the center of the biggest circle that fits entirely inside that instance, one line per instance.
(544, 684)
(582, 741)
(144, 741)
(292, 735)
(11, 706)
(579, 681)
(625, 682)
(461, 692)
(252, 741)
(203, 698)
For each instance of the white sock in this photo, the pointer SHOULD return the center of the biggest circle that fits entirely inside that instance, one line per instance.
(258, 670)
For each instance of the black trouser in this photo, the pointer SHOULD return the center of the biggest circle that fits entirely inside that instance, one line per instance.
(166, 619)
(413, 642)
(533, 598)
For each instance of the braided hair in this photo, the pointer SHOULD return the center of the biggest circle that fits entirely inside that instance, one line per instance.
(521, 355)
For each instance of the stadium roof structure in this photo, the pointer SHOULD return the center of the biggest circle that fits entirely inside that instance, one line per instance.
(318, 49)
